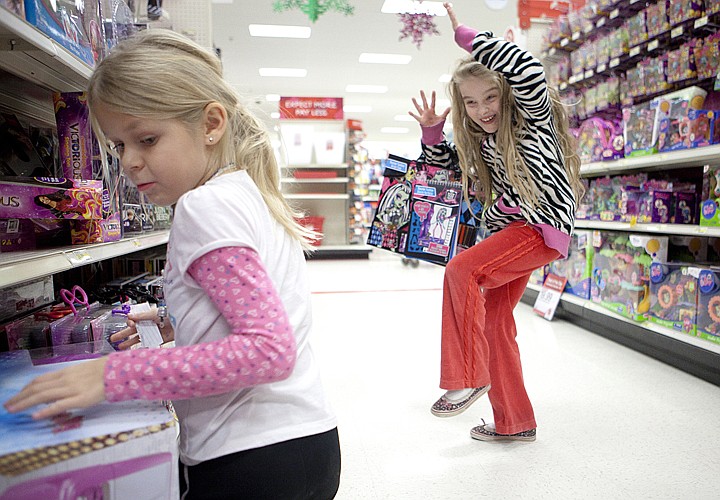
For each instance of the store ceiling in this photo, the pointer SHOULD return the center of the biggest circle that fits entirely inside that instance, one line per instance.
(331, 55)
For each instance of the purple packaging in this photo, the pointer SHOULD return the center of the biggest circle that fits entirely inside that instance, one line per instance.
(685, 208)
(74, 134)
(49, 198)
(662, 206)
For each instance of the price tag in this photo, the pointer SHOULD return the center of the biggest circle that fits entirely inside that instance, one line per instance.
(699, 23)
(653, 45)
(615, 13)
(563, 86)
(564, 42)
(601, 22)
(634, 51)
(614, 62)
(549, 296)
(601, 67)
(78, 257)
(676, 32)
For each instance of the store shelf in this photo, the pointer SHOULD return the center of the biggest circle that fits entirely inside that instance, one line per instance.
(30, 54)
(695, 157)
(327, 180)
(691, 354)
(317, 196)
(316, 166)
(680, 229)
(17, 267)
(341, 252)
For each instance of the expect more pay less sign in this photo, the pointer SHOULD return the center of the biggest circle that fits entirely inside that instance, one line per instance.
(311, 108)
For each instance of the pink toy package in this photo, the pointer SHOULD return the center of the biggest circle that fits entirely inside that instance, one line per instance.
(49, 198)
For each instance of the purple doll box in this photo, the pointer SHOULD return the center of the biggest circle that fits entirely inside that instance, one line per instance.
(74, 134)
(49, 198)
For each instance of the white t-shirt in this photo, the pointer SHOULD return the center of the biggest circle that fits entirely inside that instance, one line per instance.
(229, 211)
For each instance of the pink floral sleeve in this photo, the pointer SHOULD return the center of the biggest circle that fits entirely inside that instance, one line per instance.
(261, 348)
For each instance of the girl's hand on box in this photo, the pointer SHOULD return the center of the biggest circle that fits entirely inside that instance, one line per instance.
(77, 386)
(426, 115)
(129, 337)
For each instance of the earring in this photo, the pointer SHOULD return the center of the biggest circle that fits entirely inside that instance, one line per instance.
(211, 139)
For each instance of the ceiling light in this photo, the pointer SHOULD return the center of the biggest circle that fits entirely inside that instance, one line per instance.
(294, 72)
(445, 78)
(367, 57)
(370, 89)
(272, 98)
(411, 7)
(357, 108)
(279, 31)
(394, 130)
(404, 118)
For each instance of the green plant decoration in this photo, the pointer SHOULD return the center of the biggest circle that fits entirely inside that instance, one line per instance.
(314, 8)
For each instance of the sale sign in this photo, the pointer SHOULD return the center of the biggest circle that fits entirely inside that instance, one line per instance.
(311, 108)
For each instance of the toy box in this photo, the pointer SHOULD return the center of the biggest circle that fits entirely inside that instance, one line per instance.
(673, 296)
(577, 267)
(74, 134)
(640, 129)
(538, 276)
(49, 198)
(708, 309)
(18, 299)
(710, 197)
(621, 271)
(64, 22)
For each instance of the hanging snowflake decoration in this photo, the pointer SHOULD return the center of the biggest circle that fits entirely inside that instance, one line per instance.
(417, 26)
(314, 8)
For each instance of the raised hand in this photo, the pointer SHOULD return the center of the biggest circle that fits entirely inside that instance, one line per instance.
(451, 14)
(426, 115)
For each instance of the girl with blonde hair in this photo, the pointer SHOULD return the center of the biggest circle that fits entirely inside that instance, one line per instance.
(514, 149)
(254, 421)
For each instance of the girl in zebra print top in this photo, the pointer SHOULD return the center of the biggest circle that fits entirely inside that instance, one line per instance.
(511, 138)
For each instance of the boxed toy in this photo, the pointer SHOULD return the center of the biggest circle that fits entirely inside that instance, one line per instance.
(64, 22)
(621, 271)
(708, 309)
(577, 267)
(673, 296)
(23, 297)
(49, 198)
(710, 197)
(74, 134)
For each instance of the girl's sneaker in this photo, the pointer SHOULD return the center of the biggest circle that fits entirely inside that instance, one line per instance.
(445, 407)
(486, 432)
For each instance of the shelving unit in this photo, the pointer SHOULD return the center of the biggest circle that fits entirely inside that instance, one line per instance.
(33, 65)
(692, 354)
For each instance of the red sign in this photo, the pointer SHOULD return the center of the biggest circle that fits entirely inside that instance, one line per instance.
(311, 108)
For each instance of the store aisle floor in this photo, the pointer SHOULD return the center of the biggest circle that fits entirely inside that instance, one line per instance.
(612, 423)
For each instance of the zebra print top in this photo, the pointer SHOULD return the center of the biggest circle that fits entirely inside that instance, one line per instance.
(554, 216)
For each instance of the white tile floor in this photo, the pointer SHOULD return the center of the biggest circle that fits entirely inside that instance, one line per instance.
(612, 423)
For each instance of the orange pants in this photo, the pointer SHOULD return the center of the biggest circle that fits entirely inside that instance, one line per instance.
(478, 327)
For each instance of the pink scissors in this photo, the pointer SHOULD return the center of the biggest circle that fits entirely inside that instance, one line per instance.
(70, 297)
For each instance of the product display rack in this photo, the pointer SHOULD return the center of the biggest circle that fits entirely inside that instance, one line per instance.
(691, 354)
(32, 66)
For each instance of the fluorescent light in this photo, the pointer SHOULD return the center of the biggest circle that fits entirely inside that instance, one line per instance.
(404, 118)
(272, 98)
(445, 78)
(223, 1)
(357, 108)
(411, 7)
(294, 72)
(279, 31)
(394, 130)
(367, 57)
(370, 89)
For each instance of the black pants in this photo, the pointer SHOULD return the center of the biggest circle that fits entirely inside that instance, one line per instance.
(303, 468)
